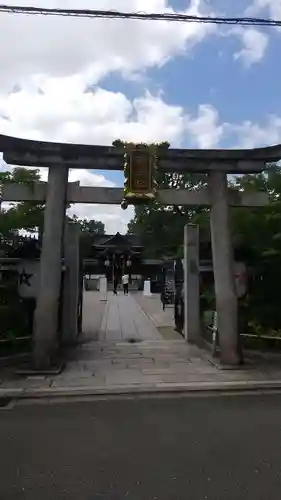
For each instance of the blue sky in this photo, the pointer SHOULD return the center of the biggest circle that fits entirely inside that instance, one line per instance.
(210, 74)
(93, 81)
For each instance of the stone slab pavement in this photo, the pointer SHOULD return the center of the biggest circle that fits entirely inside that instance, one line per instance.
(124, 320)
(162, 320)
(114, 365)
(112, 368)
(93, 312)
(152, 306)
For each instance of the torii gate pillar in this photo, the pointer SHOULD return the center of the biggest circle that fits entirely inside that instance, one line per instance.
(192, 330)
(223, 265)
(45, 335)
(71, 283)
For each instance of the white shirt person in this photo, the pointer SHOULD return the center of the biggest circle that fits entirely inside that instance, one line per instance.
(125, 282)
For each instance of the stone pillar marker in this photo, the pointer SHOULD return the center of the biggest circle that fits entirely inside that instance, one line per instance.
(191, 284)
(147, 288)
(223, 265)
(71, 283)
(45, 335)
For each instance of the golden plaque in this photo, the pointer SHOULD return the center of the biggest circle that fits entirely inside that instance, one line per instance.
(140, 168)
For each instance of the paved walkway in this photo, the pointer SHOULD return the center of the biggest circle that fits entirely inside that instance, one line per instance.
(97, 368)
(162, 320)
(152, 306)
(124, 320)
(105, 362)
(93, 312)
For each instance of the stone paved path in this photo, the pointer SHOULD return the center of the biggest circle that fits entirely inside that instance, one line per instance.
(106, 362)
(121, 367)
(93, 312)
(153, 308)
(124, 320)
(162, 320)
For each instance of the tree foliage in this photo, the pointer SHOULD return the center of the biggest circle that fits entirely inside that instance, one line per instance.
(27, 215)
(259, 228)
(160, 226)
(257, 231)
(89, 229)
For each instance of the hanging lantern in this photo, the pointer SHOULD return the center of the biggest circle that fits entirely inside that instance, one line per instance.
(129, 263)
(107, 263)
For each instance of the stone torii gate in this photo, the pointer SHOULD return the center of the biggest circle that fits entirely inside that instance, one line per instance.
(57, 193)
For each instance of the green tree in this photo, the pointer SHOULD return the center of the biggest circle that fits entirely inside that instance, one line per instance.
(160, 226)
(27, 215)
(259, 228)
(258, 232)
(89, 229)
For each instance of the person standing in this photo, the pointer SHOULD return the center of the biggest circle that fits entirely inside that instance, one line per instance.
(125, 282)
(115, 285)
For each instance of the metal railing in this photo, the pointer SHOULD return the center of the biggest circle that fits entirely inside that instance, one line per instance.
(215, 335)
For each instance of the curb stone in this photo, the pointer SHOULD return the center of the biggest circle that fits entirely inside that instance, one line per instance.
(204, 387)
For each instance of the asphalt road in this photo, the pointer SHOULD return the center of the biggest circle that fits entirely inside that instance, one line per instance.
(214, 448)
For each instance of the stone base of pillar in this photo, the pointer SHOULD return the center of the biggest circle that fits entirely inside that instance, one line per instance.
(45, 349)
(29, 369)
(231, 358)
(232, 355)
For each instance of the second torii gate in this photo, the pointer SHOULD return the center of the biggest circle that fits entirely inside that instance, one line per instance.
(60, 157)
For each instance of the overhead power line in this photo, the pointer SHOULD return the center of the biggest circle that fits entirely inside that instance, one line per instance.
(141, 16)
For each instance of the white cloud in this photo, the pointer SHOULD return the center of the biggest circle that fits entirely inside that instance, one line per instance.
(64, 112)
(147, 118)
(92, 48)
(255, 42)
(114, 218)
(251, 135)
(254, 45)
(273, 8)
(205, 129)
(49, 63)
